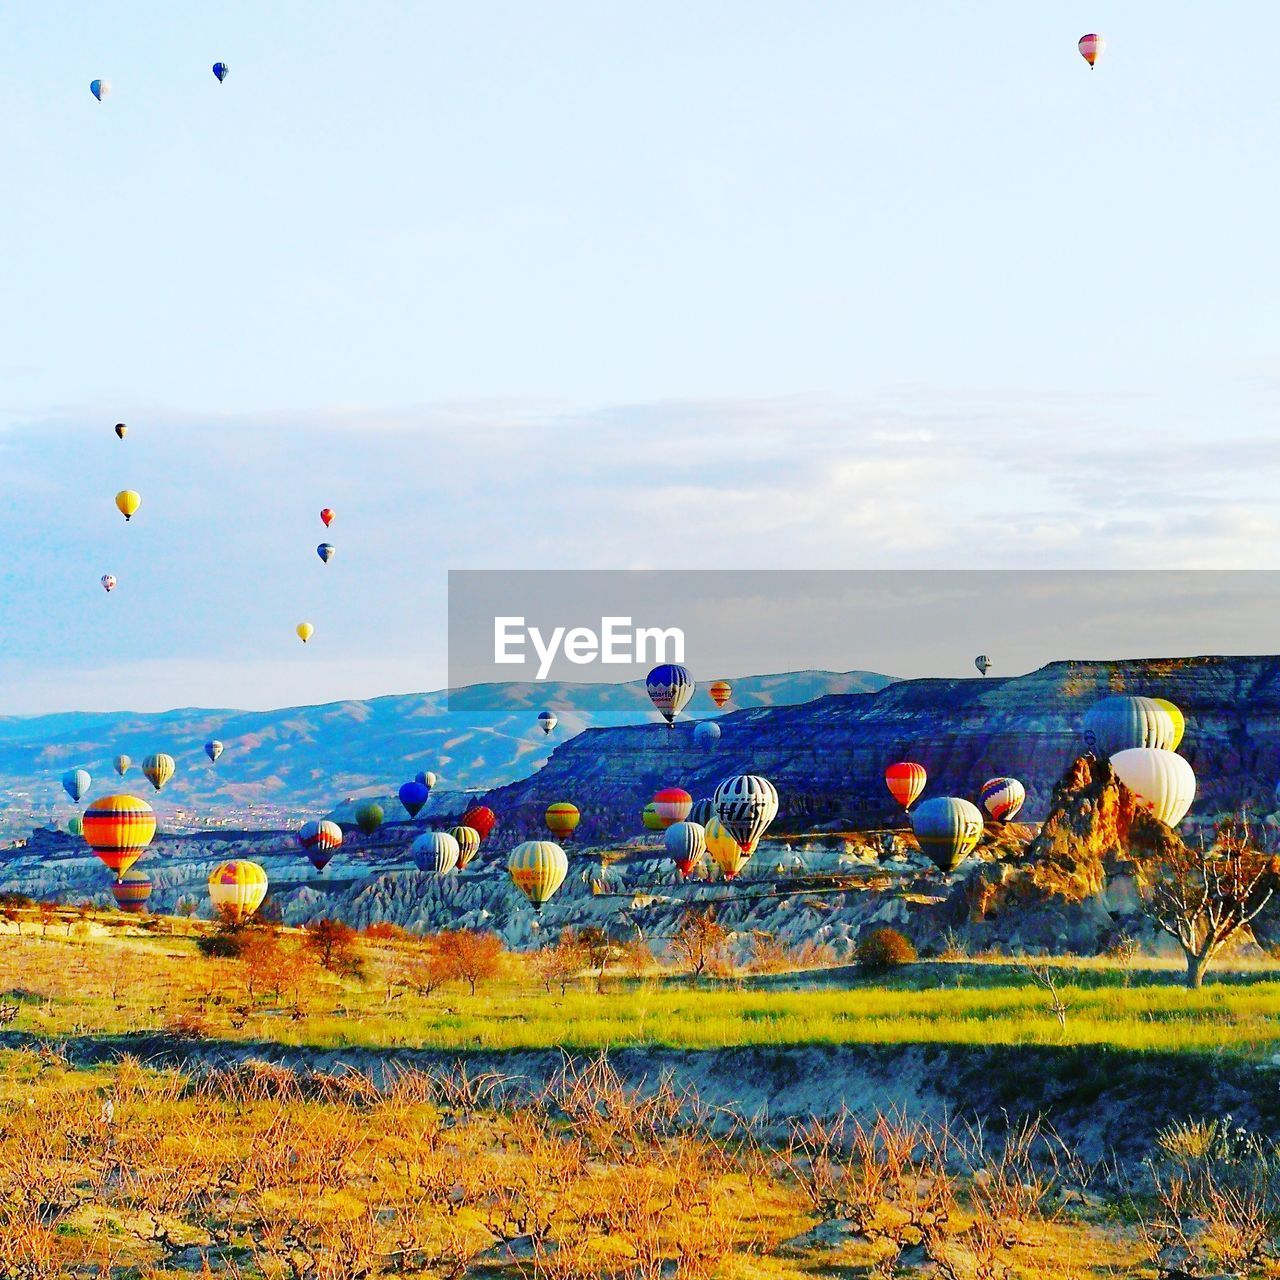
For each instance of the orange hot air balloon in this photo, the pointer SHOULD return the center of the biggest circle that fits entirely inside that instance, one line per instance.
(481, 820)
(721, 691)
(905, 781)
(327, 516)
(131, 892)
(118, 829)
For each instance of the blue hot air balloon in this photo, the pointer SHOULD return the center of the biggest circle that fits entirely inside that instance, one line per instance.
(100, 88)
(325, 551)
(76, 783)
(413, 795)
(670, 687)
(220, 70)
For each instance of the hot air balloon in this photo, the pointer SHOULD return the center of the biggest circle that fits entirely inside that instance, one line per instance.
(1174, 713)
(108, 581)
(672, 804)
(481, 819)
(537, 868)
(121, 430)
(369, 816)
(100, 89)
(650, 818)
(118, 829)
(1121, 722)
(320, 841)
(213, 749)
(983, 663)
(703, 811)
(327, 516)
(721, 691)
(131, 892)
(436, 852)
(706, 734)
(1002, 798)
(1092, 47)
(76, 783)
(426, 777)
(123, 765)
(905, 781)
(325, 551)
(305, 631)
(468, 839)
(562, 818)
(686, 843)
(1162, 781)
(237, 889)
(947, 829)
(670, 687)
(220, 70)
(724, 849)
(413, 795)
(547, 720)
(745, 806)
(75, 825)
(127, 502)
(158, 769)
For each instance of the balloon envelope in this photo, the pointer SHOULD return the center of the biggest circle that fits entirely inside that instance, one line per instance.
(426, 777)
(108, 581)
(131, 891)
(721, 691)
(947, 829)
(1002, 798)
(1121, 722)
(127, 502)
(369, 817)
(745, 806)
(650, 818)
(237, 889)
(724, 849)
(670, 687)
(320, 841)
(562, 818)
(123, 765)
(706, 734)
(327, 516)
(905, 781)
(983, 663)
(686, 843)
(1092, 47)
(672, 804)
(118, 829)
(481, 819)
(1162, 781)
(213, 749)
(435, 852)
(413, 795)
(468, 839)
(325, 551)
(100, 88)
(305, 631)
(220, 69)
(547, 720)
(537, 868)
(1174, 712)
(158, 769)
(121, 430)
(76, 783)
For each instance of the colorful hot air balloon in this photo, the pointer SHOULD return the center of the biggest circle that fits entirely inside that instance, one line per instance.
(220, 69)
(481, 819)
(1122, 722)
(468, 839)
(706, 734)
(1002, 798)
(320, 841)
(121, 430)
(100, 89)
(131, 892)
(123, 765)
(118, 829)
(158, 769)
(547, 720)
(305, 631)
(76, 783)
(983, 663)
(327, 516)
(369, 816)
(947, 830)
(1092, 47)
(1174, 713)
(721, 691)
(1162, 781)
(237, 889)
(670, 687)
(686, 843)
(905, 781)
(672, 804)
(325, 551)
(745, 806)
(537, 868)
(562, 818)
(413, 795)
(426, 777)
(127, 503)
(213, 749)
(703, 811)
(724, 849)
(435, 852)
(108, 581)
(75, 825)
(650, 818)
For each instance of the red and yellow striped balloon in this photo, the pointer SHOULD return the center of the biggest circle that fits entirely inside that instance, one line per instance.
(131, 892)
(118, 829)
(721, 691)
(237, 889)
(905, 781)
(562, 817)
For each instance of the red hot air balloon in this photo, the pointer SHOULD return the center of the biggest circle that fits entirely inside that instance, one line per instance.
(905, 781)
(327, 516)
(481, 820)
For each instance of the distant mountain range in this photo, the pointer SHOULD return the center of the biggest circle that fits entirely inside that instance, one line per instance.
(302, 760)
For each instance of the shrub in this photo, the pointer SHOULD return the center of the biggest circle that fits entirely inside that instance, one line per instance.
(884, 949)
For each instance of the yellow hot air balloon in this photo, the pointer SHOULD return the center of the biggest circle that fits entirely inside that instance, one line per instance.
(537, 868)
(650, 818)
(127, 502)
(1179, 720)
(468, 839)
(118, 829)
(305, 631)
(158, 769)
(721, 691)
(726, 851)
(237, 889)
(562, 818)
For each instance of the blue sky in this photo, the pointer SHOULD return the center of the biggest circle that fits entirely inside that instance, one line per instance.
(607, 285)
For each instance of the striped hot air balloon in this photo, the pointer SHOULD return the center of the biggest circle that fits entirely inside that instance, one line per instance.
(237, 889)
(703, 811)
(122, 765)
(320, 841)
(672, 804)
(1174, 712)
(158, 769)
(947, 830)
(1092, 47)
(537, 868)
(905, 781)
(435, 852)
(670, 687)
(720, 691)
(745, 806)
(562, 818)
(131, 891)
(1121, 722)
(118, 829)
(1002, 798)
(686, 843)
(724, 849)
(468, 839)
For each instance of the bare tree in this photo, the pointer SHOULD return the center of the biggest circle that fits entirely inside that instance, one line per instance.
(699, 939)
(1206, 896)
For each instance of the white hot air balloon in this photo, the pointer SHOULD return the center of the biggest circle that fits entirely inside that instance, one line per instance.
(1162, 781)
